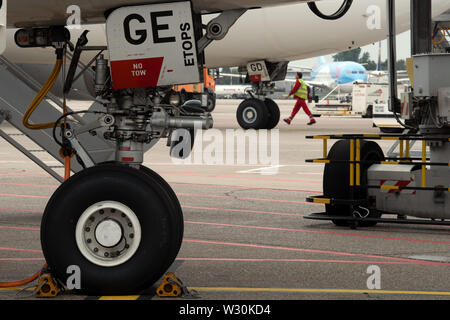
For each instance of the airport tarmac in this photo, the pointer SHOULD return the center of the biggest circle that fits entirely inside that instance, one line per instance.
(245, 233)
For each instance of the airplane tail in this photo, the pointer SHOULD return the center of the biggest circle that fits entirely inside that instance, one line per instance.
(322, 60)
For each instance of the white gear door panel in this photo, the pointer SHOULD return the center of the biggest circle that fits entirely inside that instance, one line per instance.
(152, 45)
(2, 26)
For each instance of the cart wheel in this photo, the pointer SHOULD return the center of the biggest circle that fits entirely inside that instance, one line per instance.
(274, 111)
(122, 229)
(336, 181)
(252, 114)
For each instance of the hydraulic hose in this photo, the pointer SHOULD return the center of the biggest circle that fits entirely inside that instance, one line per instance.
(335, 16)
(40, 96)
(22, 282)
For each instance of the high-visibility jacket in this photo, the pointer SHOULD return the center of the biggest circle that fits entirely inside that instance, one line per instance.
(302, 91)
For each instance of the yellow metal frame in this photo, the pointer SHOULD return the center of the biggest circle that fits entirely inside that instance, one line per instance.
(355, 158)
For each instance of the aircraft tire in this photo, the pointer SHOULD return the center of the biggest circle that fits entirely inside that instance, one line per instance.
(120, 227)
(336, 180)
(252, 114)
(275, 115)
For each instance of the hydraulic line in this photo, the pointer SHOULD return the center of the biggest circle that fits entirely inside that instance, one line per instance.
(41, 95)
(22, 282)
(346, 5)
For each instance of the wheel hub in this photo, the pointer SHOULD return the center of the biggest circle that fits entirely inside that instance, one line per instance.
(250, 115)
(108, 233)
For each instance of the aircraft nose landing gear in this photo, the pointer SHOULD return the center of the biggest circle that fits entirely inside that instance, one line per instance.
(95, 221)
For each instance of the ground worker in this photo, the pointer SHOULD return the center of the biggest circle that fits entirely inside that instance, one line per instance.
(300, 92)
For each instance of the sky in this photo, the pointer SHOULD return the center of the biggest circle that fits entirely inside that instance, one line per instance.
(403, 51)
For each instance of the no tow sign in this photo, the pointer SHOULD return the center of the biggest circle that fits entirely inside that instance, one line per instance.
(152, 45)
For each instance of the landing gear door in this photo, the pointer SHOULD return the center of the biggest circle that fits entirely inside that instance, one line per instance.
(2, 26)
(152, 45)
(257, 71)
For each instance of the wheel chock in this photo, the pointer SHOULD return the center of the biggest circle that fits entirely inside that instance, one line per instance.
(171, 286)
(47, 287)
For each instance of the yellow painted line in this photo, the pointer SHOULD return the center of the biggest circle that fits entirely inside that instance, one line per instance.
(390, 187)
(321, 161)
(119, 298)
(13, 289)
(323, 201)
(390, 138)
(434, 293)
(322, 137)
(389, 125)
(371, 135)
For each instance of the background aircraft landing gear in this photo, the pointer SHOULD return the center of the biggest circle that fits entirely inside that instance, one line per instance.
(257, 114)
(96, 221)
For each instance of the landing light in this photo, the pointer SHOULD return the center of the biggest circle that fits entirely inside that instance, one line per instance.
(41, 37)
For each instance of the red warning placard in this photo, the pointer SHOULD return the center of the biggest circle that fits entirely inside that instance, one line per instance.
(137, 73)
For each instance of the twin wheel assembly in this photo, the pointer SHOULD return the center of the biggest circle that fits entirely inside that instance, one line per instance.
(257, 114)
(121, 226)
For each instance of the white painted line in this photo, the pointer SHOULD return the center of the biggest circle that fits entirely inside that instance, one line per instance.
(262, 170)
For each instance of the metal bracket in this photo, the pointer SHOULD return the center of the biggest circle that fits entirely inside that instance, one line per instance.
(81, 152)
(218, 28)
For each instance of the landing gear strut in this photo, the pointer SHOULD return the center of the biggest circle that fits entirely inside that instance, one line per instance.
(119, 222)
(258, 111)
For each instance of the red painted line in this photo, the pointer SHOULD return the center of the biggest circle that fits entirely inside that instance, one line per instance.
(244, 211)
(243, 198)
(236, 178)
(20, 228)
(308, 260)
(20, 250)
(177, 184)
(187, 207)
(20, 210)
(28, 185)
(316, 232)
(24, 174)
(183, 195)
(23, 196)
(242, 188)
(302, 250)
(22, 259)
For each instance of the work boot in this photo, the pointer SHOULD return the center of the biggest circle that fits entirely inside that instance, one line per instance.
(313, 121)
(288, 121)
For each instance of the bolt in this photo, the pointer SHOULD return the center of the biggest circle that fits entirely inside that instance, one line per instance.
(131, 235)
(130, 225)
(95, 249)
(89, 240)
(106, 254)
(88, 229)
(102, 211)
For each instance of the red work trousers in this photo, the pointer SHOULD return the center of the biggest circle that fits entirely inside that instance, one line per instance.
(301, 103)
